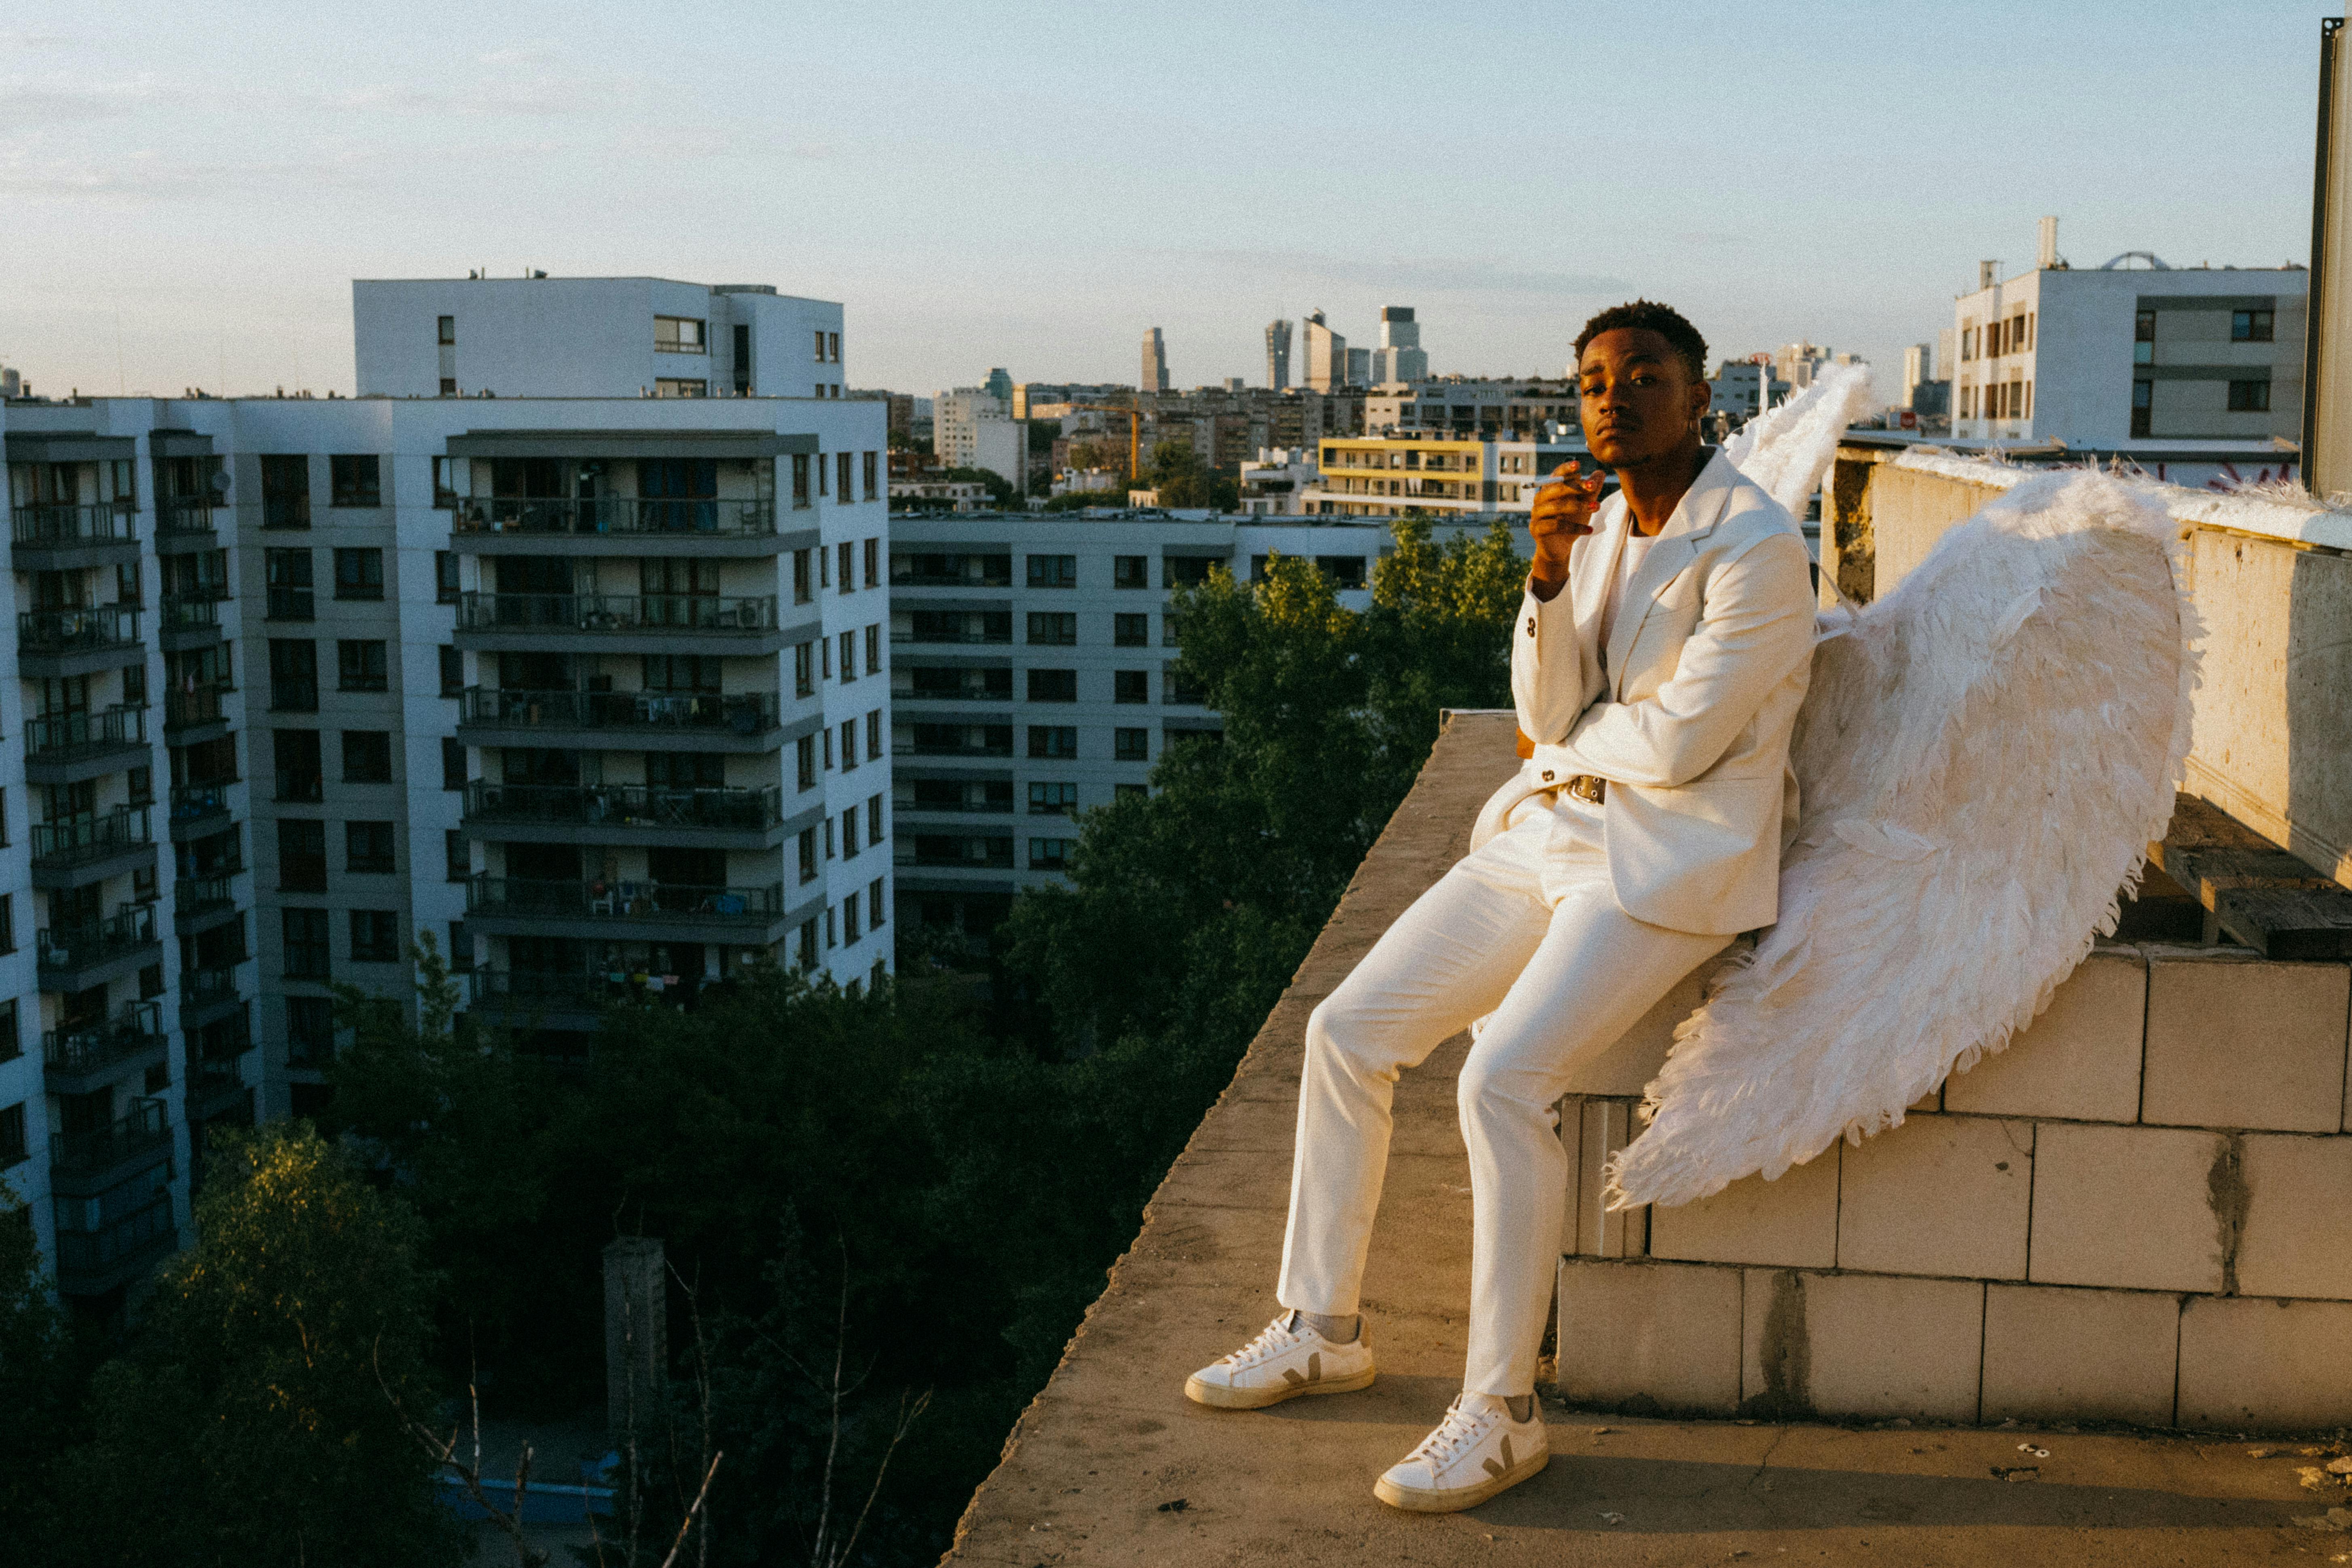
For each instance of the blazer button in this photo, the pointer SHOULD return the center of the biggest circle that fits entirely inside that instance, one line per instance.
(1547, 775)
(1531, 626)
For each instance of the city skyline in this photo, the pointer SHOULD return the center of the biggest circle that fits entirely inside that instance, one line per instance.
(179, 220)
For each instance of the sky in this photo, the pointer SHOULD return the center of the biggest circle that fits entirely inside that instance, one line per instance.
(186, 191)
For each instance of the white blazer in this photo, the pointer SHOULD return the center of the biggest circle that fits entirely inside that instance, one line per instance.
(1689, 725)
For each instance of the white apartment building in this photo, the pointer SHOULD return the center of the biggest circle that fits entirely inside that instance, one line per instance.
(1472, 408)
(1382, 476)
(1034, 678)
(2192, 366)
(1741, 388)
(1271, 485)
(591, 337)
(974, 428)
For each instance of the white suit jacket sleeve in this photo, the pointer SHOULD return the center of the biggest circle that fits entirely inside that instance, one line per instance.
(1758, 628)
(1547, 668)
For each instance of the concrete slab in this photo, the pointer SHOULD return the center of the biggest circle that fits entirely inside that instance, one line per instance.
(1111, 1465)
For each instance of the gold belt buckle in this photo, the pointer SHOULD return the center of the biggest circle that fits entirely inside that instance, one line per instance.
(1584, 786)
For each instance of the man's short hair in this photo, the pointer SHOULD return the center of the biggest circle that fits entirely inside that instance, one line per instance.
(1651, 316)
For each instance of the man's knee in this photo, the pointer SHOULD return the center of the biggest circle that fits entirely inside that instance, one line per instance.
(1492, 1088)
(1345, 1029)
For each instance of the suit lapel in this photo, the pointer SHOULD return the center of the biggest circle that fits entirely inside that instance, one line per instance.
(1598, 560)
(1676, 546)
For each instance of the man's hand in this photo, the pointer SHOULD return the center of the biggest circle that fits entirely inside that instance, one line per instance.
(1564, 514)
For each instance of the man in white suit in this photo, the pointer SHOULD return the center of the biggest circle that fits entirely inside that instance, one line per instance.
(1657, 663)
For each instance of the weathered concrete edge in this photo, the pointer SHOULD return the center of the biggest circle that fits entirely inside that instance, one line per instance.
(1427, 826)
(2263, 515)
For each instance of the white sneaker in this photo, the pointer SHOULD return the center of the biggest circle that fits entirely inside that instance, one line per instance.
(1476, 1451)
(1287, 1360)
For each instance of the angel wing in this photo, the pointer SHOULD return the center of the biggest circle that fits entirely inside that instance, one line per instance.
(1984, 755)
(1786, 449)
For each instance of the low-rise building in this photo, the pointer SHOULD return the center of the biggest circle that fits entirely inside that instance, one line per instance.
(1472, 409)
(974, 428)
(1386, 476)
(1273, 484)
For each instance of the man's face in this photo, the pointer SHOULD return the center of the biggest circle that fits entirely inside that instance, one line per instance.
(1639, 402)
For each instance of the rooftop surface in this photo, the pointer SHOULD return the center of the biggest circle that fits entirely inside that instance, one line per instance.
(1111, 1465)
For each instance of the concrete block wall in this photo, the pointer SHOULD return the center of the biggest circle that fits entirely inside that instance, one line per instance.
(2140, 1212)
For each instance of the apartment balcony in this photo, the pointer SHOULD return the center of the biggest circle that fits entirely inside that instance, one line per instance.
(63, 537)
(197, 713)
(956, 741)
(954, 851)
(626, 525)
(78, 1060)
(208, 994)
(62, 643)
(80, 851)
(216, 1088)
(67, 748)
(84, 1164)
(93, 1262)
(711, 625)
(76, 957)
(625, 814)
(963, 684)
(198, 811)
(185, 523)
(200, 904)
(741, 721)
(190, 621)
(638, 911)
(540, 999)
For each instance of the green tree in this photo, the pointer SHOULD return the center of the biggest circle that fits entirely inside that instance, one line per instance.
(1438, 634)
(40, 1376)
(253, 1422)
(1184, 480)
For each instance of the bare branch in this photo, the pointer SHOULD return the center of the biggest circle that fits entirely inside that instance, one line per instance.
(907, 1419)
(696, 1509)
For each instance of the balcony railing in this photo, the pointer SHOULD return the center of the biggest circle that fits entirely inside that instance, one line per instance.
(964, 690)
(64, 524)
(138, 1027)
(744, 712)
(94, 941)
(488, 895)
(192, 802)
(185, 514)
(117, 1240)
(956, 741)
(196, 705)
(77, 631)
(195, 895)
(203, 987)
(525, 990)
(192, 612)
(990, 853)
(65, 732)
(959, 808)
(99, 1147)
(478, 612)
(91, 836)
(999, 638)
(615, 514)
(625, 806)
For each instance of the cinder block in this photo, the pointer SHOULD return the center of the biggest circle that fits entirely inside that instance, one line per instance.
(1599, 1232)
(2297, 1239)
(1646, 1334)
(2277, 1364)
(1861, 1344)
(1632, 1059)
(2243, 1042)
(1791, 1222)
(1939, 1195)
(2058, 1354)
(2128, 1206)
(2080, 1060)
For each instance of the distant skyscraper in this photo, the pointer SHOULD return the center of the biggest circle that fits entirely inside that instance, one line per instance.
(1918, 366)
(1327, 355)
(998, 385)
(1400, 356)
(1360, 367)
(1155, 363)
(1277, 354)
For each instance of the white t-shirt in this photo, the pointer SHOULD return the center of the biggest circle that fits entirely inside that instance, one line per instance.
(1629, 561)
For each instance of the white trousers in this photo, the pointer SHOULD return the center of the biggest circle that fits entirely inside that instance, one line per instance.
(1527, 930)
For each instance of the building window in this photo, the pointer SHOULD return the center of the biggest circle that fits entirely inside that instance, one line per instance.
(367, 756)
(800, 479)
(848, 744)
(1130, 686)
(874, 735)
(302, 856)
(139, 782)
(375, 936)
(2143, 338)
(848, 658)
(452, 671)
(1186, 692)
(804, 670)
(832, 345)
(286, 492)
(1132, 745)
(872, 462)
(820, 348)
(305, 935)
(461, 949)
(360, 666)
(873, 551)
(678, 335)
(287, 573)
(1057, 741)
(1130, 571)
(445, 576)
(294, 754)
(849, 932)
(1053, 799)
(12, 1136)
(309, 1031)
(874, 648)
(1052, 571)
(447, 335)
(448, 386)
(802, 589)
(848, 573)
(457, 863)
(1053, 685)
(12, 1043)
(359, 574)
(874, 820)
(355, 481)
(1052, 628)
(849, 843)
(2249, 397)
(452, 762)
(293, 676)
(808, 954)
(1131, 631)
(367, 847)
(808, 854)
(2143, 396)
(7, 922)
(1049, 853)
(806, 749)
(2250, 326)
(1345, 571)
(841, 469)
(876, 905)
(1185, 571)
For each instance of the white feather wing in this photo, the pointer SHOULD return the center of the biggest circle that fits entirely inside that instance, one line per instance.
(1984, 755)
(1786, 449)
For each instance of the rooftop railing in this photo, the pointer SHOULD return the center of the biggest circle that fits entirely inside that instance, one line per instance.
(92, 835)
(744, 712)
(77, 630)
(65, 524)
(615, 514)
(99, 1147)
(57, 733)
(625, 806)
(619, 900)
(479, 612)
